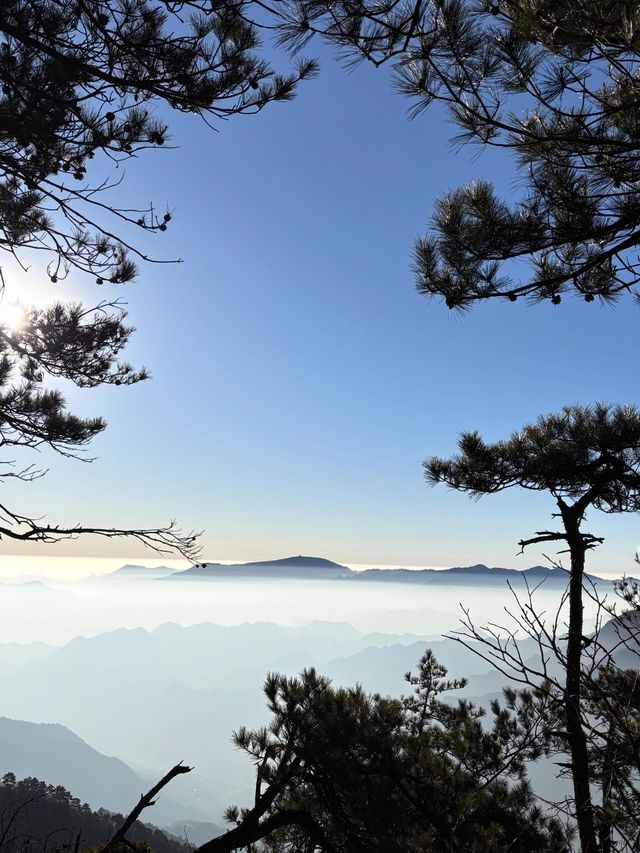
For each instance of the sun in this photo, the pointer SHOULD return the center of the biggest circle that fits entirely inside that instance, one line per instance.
(12, 316)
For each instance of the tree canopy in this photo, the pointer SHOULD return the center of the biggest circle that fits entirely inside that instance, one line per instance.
(83, 346)
(555, 84)
(84, 79)
(584, 457)
(84, 86)
(586, 454)
(342, 771)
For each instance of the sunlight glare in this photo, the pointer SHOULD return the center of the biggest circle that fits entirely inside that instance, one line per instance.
(12, 316)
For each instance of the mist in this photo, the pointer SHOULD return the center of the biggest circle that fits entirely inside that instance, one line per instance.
(55, 612)
(152, 671)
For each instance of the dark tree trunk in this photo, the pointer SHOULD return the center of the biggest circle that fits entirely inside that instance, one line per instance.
(572, 695)
(252, 830)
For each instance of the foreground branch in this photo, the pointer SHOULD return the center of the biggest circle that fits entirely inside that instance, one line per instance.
(145, 801)
(163, 540)
(249, 832)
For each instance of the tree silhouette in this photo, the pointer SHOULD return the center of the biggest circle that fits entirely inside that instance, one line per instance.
(82, 346)
(342, 771)
(554, 83)
(82, 79)
(80, 84)
(585, 457)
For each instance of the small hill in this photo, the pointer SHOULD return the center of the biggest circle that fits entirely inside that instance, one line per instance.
(300, 567)
(133, 572)
(41, 817)
(14, 656)
(35, 590)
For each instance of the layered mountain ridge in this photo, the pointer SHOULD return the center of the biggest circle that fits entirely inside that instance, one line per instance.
(318, 568)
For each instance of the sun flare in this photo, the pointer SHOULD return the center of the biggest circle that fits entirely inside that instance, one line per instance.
(12, 316)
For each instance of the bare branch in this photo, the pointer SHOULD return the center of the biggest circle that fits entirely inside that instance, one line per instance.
(146, 800)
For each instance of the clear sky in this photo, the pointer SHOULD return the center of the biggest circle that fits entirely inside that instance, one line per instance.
(298, 379)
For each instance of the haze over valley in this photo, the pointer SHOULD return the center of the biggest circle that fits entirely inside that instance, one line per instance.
(127, 673)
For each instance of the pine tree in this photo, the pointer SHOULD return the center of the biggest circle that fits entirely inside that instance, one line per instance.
(342, 771)
(82, 346)
(85, 79)
(83, 83)
(552, 82)
(584, 457)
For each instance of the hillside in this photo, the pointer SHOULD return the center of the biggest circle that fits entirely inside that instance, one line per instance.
(133, 572)
(51, 751)
(301, 567)
(621, 637)
(40, 817)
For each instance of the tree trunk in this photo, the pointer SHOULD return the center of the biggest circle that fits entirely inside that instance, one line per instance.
(572, 694)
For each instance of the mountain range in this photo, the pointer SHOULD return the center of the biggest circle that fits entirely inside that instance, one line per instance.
(136, 572)
(318, 568)
(155, 697)
(477, 575)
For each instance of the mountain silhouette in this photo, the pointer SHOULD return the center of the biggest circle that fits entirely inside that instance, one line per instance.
(318, 568)
(131, 571)
(478, 575)
(301, 567)
(53, 752)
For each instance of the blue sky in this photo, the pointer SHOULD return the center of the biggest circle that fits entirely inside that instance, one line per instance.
(298, 379)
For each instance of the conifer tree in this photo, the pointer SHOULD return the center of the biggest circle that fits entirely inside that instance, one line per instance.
(342, 771)
(555, 84)
(64, 341)
(89, 79)
(584, 457)
(86, 84)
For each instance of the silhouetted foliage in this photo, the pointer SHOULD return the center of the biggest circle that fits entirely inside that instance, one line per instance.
(83, 78)
(554, 83)
(585, 457)
(82, 346)
(343, 770)
(80, 83)
(41, 818)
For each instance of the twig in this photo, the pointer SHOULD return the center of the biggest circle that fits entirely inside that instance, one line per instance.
(144, 802)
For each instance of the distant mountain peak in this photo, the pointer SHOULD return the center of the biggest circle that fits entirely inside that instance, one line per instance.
(131, 570)
(300, 560)
(300, 567)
